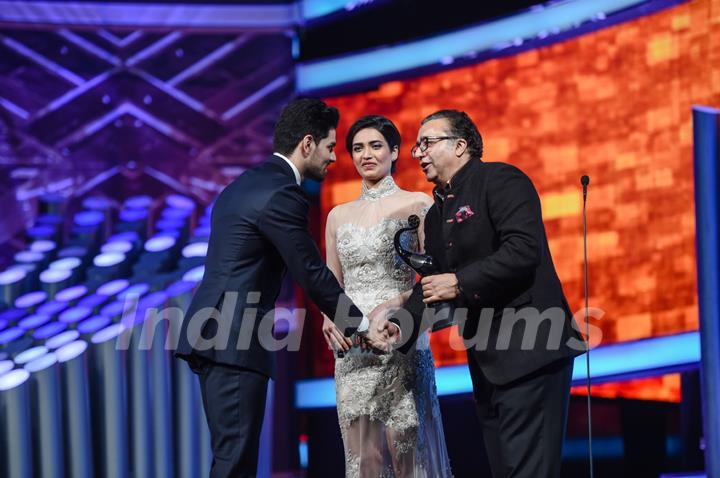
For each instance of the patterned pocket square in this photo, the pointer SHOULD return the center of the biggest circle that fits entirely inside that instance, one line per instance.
(463, 213)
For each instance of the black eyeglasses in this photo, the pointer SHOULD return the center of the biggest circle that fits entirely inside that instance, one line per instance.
(425, 143)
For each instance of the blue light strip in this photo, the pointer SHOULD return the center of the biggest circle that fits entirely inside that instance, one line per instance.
(537, 22)
(706, 152)
(642, 358)
(138, 15)
(312, 9)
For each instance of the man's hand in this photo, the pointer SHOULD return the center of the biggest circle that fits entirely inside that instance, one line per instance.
(334, 338)
(382, 334)
(381, 338)
(439, 287)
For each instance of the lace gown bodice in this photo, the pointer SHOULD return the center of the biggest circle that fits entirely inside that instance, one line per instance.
(387, 404)
(372, 271)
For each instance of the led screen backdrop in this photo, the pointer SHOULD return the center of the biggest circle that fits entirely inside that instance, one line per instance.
(614, 104)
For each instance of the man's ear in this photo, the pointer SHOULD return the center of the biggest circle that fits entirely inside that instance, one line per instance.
(460, 147)
(307, 145)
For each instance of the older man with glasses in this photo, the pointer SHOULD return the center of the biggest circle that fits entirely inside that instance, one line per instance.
(486, 232)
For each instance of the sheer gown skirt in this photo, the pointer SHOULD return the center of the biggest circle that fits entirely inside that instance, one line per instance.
(389, 415)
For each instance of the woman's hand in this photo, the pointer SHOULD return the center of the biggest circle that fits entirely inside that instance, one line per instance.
(334, 338)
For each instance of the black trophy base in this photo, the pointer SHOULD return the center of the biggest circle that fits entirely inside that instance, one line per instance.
(444, 315)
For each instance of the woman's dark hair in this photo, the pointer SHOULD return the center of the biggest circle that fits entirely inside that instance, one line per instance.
(379, 123)
(301, 117)
(462, 126)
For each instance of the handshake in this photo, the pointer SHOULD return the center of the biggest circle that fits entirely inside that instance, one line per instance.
(380, 337)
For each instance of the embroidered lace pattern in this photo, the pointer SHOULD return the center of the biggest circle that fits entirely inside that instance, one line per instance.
(387, 404)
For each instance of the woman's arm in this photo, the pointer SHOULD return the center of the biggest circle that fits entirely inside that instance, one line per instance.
(334, 338)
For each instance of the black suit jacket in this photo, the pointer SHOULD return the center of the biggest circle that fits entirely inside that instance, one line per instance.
(259, 229)
(498, 249)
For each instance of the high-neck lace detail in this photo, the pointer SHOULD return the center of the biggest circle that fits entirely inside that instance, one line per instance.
(383, 189)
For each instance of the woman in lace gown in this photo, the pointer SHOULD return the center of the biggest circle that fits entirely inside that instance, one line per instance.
(387, 404)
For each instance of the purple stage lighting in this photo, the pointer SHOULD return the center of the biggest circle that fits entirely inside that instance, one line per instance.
(178, 201)
(72, 251)
(33, 321)
(30, 354)
(194, 275)
(31, 299)
(113, 309)
(70, 350)
(159, 243)
(74, 314)
(138, 290)
(6, 366)
(173, 233)
(138, 202)
(92, 301)
(61, 339)
(11, 284)
(52, 307)
(180, 287)
(196, 249)
(88, 218)
(12, 276)
(93, 324)
(108, 259)
(41, 363)
(122, 247)
(13, 379)
(133, 215)
(113, 287)
(41, 232)
(97, 203)
(170, 223)
(29, 256)
(10, 335)
(54, 276)
(155, 299)
(71, 293)
(10, 316)
(172, 213)
(47, 331)
(127, 236)
(43, 246)
(49, 220)
(108, 333)
(202, 232)
(67, 263)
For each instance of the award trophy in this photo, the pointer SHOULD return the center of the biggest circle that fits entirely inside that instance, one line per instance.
(425, 265)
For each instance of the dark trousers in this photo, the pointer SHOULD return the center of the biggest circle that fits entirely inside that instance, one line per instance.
(234, 402)
(523, 422)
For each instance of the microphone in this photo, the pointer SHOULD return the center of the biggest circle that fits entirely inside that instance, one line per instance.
(585, 180)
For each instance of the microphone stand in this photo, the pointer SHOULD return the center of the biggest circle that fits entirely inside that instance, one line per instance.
(585, 180)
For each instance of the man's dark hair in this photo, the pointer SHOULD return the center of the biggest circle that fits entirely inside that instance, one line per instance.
(462, 126)
(379, 123)
(301, 117)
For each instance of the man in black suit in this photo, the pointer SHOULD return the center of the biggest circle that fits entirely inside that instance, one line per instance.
(486, 232)
(259, 229)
